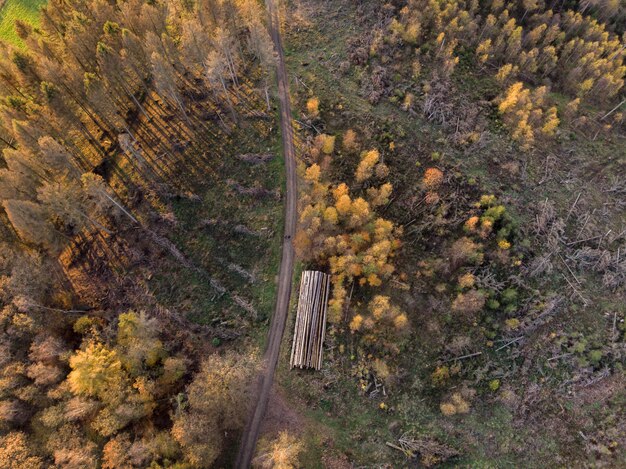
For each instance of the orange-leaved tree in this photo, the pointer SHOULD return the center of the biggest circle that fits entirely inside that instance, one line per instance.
(341, 230)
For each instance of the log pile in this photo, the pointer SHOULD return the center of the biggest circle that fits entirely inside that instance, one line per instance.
(308, 336)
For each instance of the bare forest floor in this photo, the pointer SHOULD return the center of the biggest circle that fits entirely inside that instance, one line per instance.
(215, 201)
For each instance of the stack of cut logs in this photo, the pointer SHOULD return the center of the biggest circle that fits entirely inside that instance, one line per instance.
(308, 336)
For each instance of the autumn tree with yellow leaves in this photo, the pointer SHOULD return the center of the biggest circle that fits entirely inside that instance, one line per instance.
(312, 107)
(522, 44)
(341, 230)
(280, 453)
(381, 324)
(218, 401)
(125, 378)
(526, 114)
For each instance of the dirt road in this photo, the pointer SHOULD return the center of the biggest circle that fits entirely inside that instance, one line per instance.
(251, 432)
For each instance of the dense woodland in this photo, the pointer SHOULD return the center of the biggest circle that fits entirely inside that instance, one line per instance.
(466, 278)
(109, 110)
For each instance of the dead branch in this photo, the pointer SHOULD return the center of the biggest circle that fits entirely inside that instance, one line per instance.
(517, 339)
(463, 357)
(560, 356)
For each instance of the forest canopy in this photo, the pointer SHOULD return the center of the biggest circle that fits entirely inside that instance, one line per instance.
(460, 178)
(101, 109)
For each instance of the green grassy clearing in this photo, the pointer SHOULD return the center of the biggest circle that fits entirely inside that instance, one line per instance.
(11, 10)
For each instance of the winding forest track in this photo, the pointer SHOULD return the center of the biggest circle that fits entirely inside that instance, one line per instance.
(277, 327)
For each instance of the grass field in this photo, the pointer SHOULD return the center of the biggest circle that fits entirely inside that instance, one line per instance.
(11, 10)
